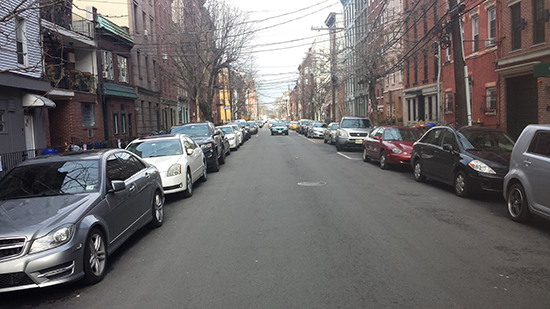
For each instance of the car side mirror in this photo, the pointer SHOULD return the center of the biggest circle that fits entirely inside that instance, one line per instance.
(117, 185)
(377, 137)
(448, 147)
(189, 151)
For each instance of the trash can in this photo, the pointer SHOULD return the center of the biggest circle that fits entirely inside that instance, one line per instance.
(49, 151)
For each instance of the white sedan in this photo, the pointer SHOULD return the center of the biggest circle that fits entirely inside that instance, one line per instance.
(232, 136)
(178, 158)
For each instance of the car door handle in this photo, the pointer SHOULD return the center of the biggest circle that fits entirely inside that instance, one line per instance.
(527, 162)
(132, 187)
(147, 175)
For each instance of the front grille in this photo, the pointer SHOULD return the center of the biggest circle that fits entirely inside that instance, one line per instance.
(10, 247)
(358, 134)
(172, 187)
(14, 280)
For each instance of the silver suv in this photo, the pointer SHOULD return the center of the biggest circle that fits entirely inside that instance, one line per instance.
(352, 131)
(527, 182)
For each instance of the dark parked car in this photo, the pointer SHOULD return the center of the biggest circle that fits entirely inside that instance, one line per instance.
(208, 138)
(527, 184)
(472, 159)
(63, 215)
(390, 145)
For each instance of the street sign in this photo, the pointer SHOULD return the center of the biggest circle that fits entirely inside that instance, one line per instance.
(227, 107)
(541, 70)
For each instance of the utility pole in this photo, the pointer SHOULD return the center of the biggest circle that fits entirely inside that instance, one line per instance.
(461, 114)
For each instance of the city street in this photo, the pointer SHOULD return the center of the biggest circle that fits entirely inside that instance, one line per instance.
(289, 222)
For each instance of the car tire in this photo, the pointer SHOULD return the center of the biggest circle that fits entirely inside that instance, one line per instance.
(365, 156)
(216, 167)
(338, 146)
(518, 208)
(461, 184)
(324, 140)
(204, 177)
(189, 185)
(95, 257)
(222, 157)
(383, 160)
(157, 210)
(417, 171)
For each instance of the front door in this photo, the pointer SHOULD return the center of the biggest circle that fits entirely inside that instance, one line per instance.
(522, 103)
(29, 134)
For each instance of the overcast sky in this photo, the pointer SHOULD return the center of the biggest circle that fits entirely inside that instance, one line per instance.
(287, 20)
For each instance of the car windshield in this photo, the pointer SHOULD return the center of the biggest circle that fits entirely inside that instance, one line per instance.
(410, 135)
(334, 126)
(356, 124)
(48, 179)
(227, 130)
(192, 130)
(318, 125)
(278, 125)
(150, 149)
(486, 140)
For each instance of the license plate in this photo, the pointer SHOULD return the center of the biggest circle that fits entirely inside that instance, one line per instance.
(358, 141)
(280, 131)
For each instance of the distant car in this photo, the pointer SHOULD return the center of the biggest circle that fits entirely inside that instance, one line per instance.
(241, 130)
(527, 184)
(63, 215)
(178, 158)
(317, 129)
(351, 132)
(472, 159)
(293, 125)
(210, 141)
(390, 145)
(301, 125)
(330, 133)
(232, 135)
(279, 128)
(253, 127)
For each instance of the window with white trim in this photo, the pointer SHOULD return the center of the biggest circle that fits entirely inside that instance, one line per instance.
(107, 63)
(492, 26)
(491, 98)
(122, 69)
(448, 101)
(475, 33)
(21, 43)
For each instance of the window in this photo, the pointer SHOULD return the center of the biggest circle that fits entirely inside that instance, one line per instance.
(448, 101)
(123, 70)
(491, 99)
(123, 122)
(426, 66)
(3, 128)
(135, 18)
(139, 65)
(540, 144)
(107, 59)
(115, 124)
(538, 21)
(475, 33)
(517, 25)
(492, 29)
(20, 41)
(426, 23)
(88, 115)
(415, 71)
(408, 73)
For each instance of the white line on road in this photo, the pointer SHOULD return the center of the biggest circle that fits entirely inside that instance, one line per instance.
(343, 155)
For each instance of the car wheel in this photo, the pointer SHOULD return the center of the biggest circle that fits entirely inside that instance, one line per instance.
(383, 160)
(95, 257)
(158, 210)
(324, 140)
(216, 167)
(222, 157)
(365, 157)
(338, 146)
(461, 184)
(189, 185)
(418, 171)
(518, 208)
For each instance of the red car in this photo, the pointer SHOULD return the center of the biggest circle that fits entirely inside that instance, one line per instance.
(390, 145)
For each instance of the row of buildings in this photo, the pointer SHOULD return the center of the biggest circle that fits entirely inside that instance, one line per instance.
(394, 61)
(98, 74)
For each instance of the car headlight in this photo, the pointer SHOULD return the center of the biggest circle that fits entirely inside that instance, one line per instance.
(53, 239)
(481, 167)
(344, 134)
(174, 170)
(397, 150)
(208, 146)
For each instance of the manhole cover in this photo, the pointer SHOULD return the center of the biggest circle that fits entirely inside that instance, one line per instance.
(312, 184)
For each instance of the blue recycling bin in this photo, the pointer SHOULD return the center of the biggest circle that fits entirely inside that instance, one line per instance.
(49, 151)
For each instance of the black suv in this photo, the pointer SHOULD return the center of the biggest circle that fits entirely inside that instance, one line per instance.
(208, 138)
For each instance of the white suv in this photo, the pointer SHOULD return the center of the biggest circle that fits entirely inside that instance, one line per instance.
(526, 186)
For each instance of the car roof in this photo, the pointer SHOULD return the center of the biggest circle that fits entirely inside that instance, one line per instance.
(155, 137)
(94, 154)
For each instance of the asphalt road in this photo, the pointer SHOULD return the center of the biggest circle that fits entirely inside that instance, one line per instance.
(290, 223)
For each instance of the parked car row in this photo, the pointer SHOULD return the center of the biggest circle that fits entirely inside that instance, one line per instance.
(474, 160)
(63, 215)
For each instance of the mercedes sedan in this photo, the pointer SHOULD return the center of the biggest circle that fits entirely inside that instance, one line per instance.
(61, 216)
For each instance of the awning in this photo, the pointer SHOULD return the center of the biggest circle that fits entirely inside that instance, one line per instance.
(119, 91)
(35, 100)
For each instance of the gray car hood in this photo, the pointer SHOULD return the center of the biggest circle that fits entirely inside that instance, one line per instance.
(37, 216)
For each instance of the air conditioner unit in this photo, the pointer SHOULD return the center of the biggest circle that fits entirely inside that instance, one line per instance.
(490, 42)
(145, 33)
(105, 75)
(165, 56)
(448, 58)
